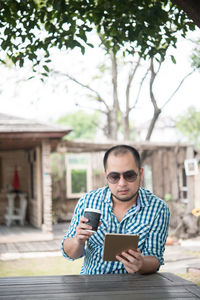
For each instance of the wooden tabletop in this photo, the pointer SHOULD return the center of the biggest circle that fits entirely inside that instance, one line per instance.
(100, 287)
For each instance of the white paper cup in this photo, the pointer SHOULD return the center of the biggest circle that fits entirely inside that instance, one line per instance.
(93, 215)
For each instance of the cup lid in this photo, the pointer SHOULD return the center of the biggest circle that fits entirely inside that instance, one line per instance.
(93, 210)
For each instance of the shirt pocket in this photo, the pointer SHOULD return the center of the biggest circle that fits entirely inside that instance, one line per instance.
(141, 229)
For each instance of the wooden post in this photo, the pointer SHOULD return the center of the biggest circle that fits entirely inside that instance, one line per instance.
(39, 186)
(47, 192)
(190, 182)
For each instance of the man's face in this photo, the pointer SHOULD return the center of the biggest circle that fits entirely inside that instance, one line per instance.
(123, 190)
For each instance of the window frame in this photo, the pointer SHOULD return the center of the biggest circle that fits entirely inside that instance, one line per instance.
(77, 166)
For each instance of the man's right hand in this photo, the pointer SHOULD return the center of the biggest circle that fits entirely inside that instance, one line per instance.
(82, 234)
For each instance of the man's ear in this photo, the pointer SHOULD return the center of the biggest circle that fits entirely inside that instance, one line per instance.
(141, 173)
(141, 176)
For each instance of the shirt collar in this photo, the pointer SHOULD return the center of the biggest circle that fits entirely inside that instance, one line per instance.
(142, 200)
(107, 198)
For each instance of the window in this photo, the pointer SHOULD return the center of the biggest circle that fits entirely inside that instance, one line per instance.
(78, 174)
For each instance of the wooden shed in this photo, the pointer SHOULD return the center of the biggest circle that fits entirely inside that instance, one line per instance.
(165, 172)
(25, 147)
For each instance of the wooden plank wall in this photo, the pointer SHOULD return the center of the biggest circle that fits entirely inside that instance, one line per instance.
(165, 171)
(167, 164)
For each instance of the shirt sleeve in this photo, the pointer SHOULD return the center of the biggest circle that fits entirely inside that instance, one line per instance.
(156, 240)
(78, 212)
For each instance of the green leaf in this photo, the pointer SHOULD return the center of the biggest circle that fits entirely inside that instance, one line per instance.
(21, 61)
(173, 59)
(46, 68)
(45, 74)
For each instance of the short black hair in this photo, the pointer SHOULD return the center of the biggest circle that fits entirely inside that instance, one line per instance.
(122, 149)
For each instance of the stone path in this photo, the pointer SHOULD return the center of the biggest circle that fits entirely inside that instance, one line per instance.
(179, 258)
(16, 241)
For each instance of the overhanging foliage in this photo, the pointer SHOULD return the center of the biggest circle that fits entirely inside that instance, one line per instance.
(29, 29)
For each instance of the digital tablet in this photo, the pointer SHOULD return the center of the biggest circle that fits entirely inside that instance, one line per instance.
(116, 243)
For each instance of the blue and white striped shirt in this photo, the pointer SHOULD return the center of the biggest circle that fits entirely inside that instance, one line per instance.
(149, 218)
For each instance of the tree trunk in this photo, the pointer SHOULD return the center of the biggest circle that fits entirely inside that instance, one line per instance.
(115, 109)
(126, 126)
(152, 124)
(157, 110)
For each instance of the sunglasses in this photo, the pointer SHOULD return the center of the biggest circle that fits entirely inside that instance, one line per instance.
(114, 177)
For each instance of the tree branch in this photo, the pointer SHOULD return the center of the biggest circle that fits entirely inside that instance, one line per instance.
(94, 109)
(157, 111)
(130, 79)
(99, 98)
(114, 80)
(140, 88)
(176, 90)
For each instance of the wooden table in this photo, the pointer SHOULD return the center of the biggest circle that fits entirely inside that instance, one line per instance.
(100, 287)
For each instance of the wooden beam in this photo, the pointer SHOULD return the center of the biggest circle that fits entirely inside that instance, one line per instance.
(32, 135)
(86, 146)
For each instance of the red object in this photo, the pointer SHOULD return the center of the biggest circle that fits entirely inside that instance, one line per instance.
(16, 180)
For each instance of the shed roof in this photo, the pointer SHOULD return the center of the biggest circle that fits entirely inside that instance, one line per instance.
(19, 133)
(11, 124)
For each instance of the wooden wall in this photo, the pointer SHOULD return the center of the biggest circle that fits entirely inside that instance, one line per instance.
(165, 170)
(166, 165)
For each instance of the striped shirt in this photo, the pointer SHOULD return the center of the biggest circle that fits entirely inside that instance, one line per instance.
(149, 218)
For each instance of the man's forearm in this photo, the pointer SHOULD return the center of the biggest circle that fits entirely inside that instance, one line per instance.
(73, 248)
(150, 265)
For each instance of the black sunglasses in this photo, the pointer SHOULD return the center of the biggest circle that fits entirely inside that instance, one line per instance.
(114, 177)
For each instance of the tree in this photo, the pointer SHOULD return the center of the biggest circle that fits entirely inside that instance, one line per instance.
(30, 29)
(158, 110)
(148, 28)
(84, 125)
(195, 57)
(118, 107)
(188, 125)
(110, 106)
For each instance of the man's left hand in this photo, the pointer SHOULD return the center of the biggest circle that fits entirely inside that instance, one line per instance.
(132, 260)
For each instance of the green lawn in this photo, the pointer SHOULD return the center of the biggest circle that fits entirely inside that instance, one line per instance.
(40, 266)
(55, 266)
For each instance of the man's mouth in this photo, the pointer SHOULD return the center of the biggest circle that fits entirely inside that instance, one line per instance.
(123, 192)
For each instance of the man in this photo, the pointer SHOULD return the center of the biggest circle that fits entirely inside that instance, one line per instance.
(126, 208)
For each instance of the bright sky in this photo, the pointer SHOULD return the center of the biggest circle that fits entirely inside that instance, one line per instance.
(45, 101)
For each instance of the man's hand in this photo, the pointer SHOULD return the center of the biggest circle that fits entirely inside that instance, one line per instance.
(82, 234)
(132, 260)
(73, 246)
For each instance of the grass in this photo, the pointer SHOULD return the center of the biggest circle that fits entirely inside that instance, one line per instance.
(191, 277)
(192, 253)
(55, 266)
(39, 266)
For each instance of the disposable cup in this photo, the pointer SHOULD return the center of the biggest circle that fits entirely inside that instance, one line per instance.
(93, 215)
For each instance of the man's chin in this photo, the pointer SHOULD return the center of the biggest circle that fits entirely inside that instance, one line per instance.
(125, 199)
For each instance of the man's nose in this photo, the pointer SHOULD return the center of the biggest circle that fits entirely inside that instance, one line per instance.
(122, 181)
